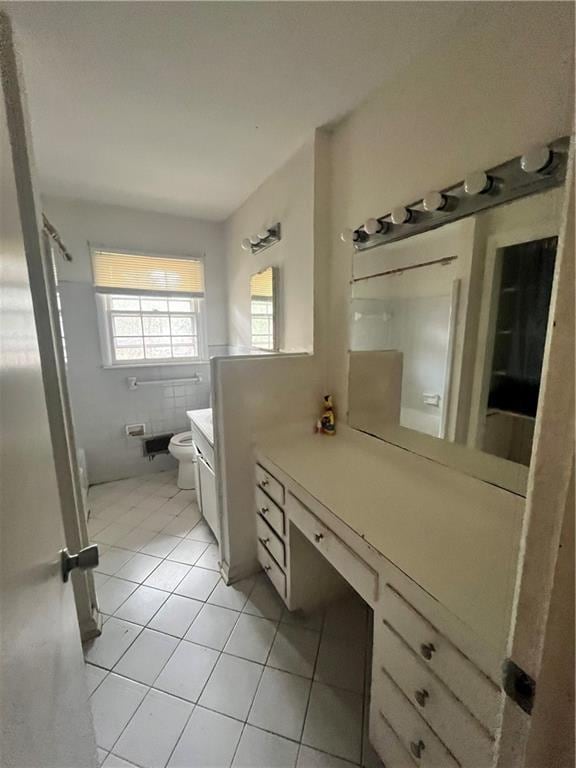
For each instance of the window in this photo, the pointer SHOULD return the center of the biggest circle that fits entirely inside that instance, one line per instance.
(151, 308)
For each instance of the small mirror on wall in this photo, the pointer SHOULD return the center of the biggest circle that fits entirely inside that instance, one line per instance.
(264, 310)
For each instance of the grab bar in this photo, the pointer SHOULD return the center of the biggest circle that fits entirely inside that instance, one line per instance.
(134, 383)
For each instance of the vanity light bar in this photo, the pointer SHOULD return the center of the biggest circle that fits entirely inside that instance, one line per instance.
(539, 169)
(264, 239)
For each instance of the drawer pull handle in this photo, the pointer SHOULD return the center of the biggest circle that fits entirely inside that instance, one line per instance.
(318, 537)
(264, 541)
(417, 747)
(265, 482)
(264, 510)
(427, 649)
(421, 697)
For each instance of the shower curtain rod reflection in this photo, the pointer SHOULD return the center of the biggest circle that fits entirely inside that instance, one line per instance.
(399, 270)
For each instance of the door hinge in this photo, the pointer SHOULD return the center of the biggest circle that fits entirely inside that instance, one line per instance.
(519, 686)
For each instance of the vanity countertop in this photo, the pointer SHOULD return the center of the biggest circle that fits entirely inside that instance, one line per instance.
(456, 536)
(202, 418)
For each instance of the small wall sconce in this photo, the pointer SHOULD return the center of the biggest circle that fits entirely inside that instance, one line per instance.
(264, 239)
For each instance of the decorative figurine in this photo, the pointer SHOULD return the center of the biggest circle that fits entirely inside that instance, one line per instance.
(326, 424)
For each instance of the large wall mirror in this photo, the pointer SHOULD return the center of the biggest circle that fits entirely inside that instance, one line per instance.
(447, 337)
(264, 310)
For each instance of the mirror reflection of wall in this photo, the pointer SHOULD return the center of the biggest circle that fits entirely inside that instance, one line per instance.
(465, 310)
(263, 309)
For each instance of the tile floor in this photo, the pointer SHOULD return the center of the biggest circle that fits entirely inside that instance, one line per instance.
(191, 673)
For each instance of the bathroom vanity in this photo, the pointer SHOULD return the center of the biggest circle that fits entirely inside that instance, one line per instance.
(203, 440)
(432, 551)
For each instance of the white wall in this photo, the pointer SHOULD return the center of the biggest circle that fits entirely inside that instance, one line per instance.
(485, 95)
(101, 401)
(287, 196)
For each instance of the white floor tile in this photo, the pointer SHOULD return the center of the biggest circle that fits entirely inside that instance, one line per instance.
(99, 579)
(191, 513)
(232, 686)
(117, 636)
(251, 638)
(161, 545)
(113, 593)
(151, 503)
(330, 669)
(258, 749)
(94, 676)
(113, 704)
(154, 730)
(95, 525)
(112, 533)
(138, 568)
(202, 532)
(141, 605)
(112, 559)
(212, 626)
(334, 722)
(280, 703)
(113, 761)
(186, 673)
(176, 615)
(187, 551)
(156, 521)
(198, 584)
(233, 596)
(294, 650)
(134, 516)
(264, 601)
(178, 527)
(146, 657)
(167, 576)
(312, 758)
(166, 491)
(209, 741)
(101, 755)
(210, 558)
(136, 539)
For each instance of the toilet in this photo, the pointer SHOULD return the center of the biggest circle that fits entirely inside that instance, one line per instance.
(182, 448)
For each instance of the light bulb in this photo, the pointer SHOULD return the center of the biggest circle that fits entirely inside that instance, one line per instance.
(401, 215)
(477, 183)
(254, 239)
(246, 244)
(264, 234)
(434, 201)
(375, 226)
(348, 236)
(536, 160)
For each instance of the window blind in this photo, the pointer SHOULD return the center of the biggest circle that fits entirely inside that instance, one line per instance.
(261, 284)
(142, 273)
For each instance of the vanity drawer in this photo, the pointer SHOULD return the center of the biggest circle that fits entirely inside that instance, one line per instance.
(268, 482)
(425, 748)
(271, 541)
(480, 695)
(272, 513)
(451, 721)
(272, 570)
(357, 573)
(387, 744)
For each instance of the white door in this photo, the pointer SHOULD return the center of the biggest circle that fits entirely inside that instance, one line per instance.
(45, 719)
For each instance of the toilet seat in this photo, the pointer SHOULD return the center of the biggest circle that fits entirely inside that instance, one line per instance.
(182, 438)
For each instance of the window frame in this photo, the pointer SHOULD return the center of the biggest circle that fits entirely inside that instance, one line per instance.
(105, 315)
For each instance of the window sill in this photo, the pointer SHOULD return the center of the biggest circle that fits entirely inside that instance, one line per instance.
(129, 366)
